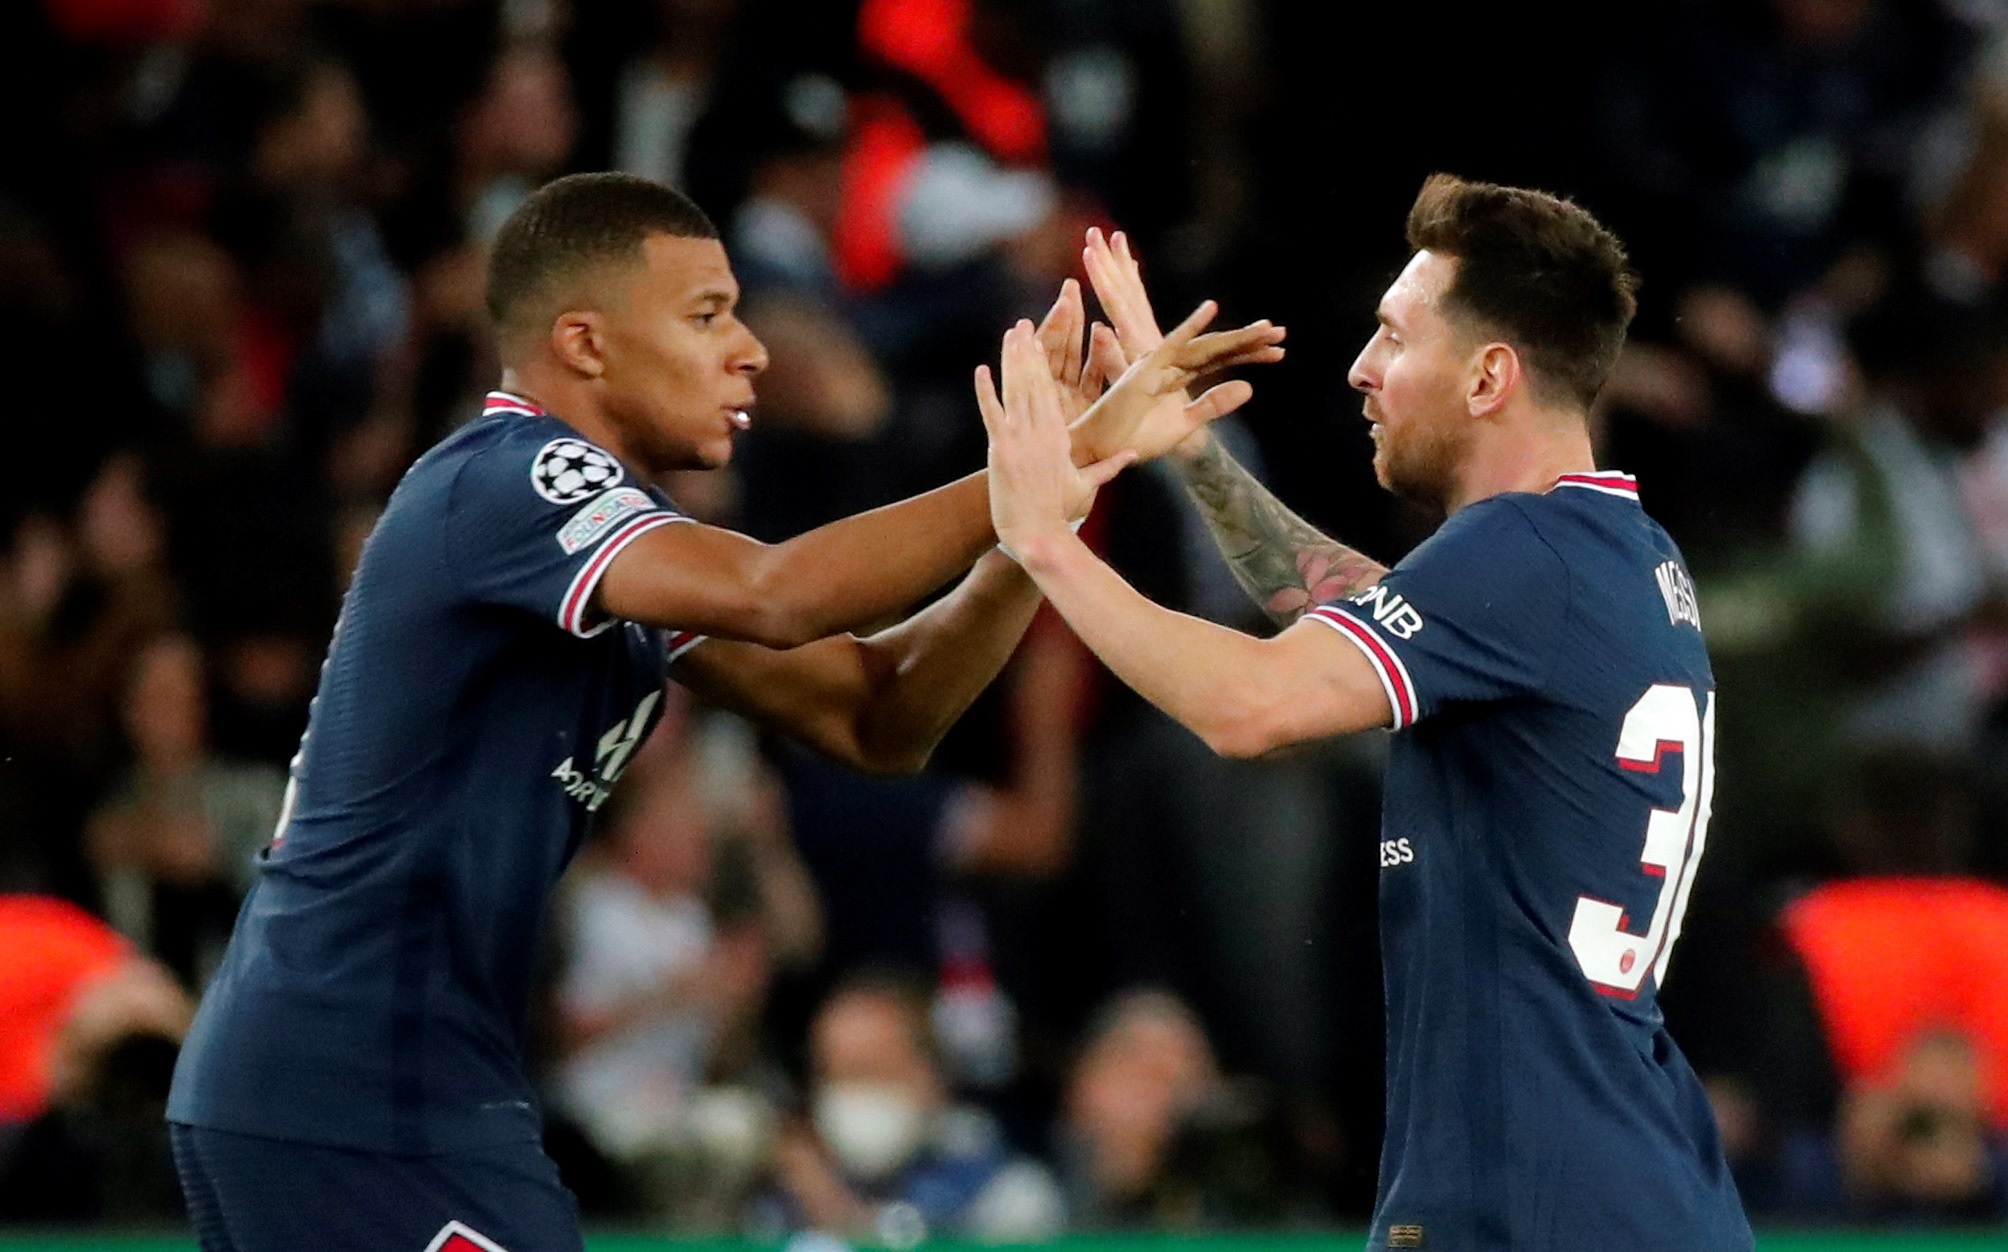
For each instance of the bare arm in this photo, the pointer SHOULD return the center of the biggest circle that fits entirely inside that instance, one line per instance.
(843, 576)
(1243, 696)
(1285, 564)
(880, 702)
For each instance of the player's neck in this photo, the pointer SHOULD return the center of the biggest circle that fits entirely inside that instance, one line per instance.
(571, 400)
(1529, 456)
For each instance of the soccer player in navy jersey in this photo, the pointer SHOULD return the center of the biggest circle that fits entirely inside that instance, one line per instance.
(1540, 661)
(355, 1076)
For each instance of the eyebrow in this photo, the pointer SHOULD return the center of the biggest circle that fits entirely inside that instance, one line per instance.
(717, 296)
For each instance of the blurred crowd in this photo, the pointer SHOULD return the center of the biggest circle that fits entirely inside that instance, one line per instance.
(1080, 974)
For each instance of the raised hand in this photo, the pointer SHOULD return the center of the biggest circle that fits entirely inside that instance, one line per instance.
(1035, 486)
(1145, 411)
(1118, 283)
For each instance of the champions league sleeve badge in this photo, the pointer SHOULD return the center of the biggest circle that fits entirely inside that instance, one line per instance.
(567, 471)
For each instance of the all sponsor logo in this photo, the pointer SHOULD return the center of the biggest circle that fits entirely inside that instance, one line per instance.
(567, 471)
(610, 757)
(598, 518)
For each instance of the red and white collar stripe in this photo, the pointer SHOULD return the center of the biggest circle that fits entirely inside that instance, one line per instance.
(1609, 482)
(508, 402)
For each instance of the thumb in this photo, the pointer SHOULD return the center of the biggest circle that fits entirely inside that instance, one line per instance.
(1098, 473)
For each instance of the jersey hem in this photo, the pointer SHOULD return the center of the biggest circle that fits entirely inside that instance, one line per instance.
(439, 1146)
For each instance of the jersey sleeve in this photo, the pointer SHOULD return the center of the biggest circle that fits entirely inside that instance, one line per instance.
(534, 523)
(1476, 613)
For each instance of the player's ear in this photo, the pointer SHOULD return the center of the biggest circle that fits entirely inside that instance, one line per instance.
(1495, 374)
(578, 342)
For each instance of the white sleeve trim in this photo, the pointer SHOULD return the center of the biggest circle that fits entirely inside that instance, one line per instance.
(1386, 662)
(572, 609)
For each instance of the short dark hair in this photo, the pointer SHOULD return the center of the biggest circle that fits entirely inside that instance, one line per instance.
(1537, 270)
(578, 221)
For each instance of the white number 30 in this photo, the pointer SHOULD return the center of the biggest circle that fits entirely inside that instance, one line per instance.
(1614, 958)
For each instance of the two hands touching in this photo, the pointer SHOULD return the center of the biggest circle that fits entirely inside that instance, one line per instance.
(1080, 404)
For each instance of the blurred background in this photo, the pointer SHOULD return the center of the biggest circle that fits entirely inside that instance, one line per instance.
(1080, 976)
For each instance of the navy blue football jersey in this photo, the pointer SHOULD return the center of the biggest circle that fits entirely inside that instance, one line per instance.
(471, 717)
(1546, 806)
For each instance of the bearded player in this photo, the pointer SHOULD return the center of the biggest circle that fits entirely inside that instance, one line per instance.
(1541, 663)
(355, 1077)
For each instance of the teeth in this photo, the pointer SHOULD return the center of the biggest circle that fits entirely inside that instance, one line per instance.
(742, 419)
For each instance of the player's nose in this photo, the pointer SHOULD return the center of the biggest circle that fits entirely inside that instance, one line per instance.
(752, 357)
(1361, 376)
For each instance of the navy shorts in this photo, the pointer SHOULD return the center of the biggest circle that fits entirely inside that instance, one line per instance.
(251, 1194)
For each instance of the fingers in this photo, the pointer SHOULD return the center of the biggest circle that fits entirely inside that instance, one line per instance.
(1038, 393)
(1119, 286)
(1031, 396)
(1069, 372)
(987, 402)
(1023, 356)
(1096, 474)
(1106, 361)
(1186, 331)
(1258, 343)
(1059, 332)
(1218, 402)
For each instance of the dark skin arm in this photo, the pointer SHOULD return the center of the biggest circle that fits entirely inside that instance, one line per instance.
(842, 576)
(878, 702)
(882, 701)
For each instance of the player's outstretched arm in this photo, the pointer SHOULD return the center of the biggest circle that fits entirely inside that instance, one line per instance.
(1285, 564)
(1243, 696)
(847, 575)
(861, 570)
(882, 702)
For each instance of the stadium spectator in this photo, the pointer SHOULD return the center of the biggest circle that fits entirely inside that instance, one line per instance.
(68, 984)
(1153, 1137)
(174, 843)
(77, 597)
(241, 248)
(649, 74)
(1771, 138)
(1918, 1145)
(1884, 515)
(887, 1155)
(88, 1049)
(674, 928)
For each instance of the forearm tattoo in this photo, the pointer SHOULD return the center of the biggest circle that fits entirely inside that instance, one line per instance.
(1280, 560)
